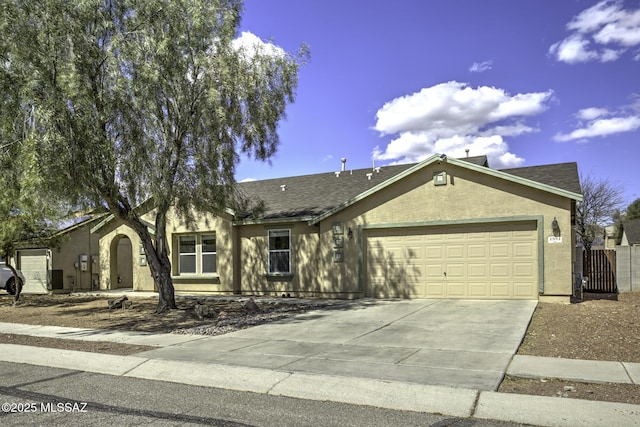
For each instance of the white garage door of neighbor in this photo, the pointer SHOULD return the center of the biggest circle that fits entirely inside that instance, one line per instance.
(490, 261)
(33, 264)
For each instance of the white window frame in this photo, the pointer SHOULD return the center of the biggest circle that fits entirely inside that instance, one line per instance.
(270, 251)
(198, 254)
(203, 253)
(190, 254)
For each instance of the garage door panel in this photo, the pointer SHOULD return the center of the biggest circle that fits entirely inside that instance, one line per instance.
(526, 270)
(456, 289)
(524, 290)
(480, 261)
(478, 289)
(523, 250)
(414, 253)
(455, 271)
(33, 265)
(435, 290)
(455, 251)
(500, 290)
(477, 271)
(500, 270)
(499, 250)
(477, 251)
(433, 271)
(434, 252)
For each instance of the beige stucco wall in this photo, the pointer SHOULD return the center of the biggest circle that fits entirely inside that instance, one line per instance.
(113, 262)
(65, 257)
(468, 195)
(221, 282)
(307, 272)
(113, 233)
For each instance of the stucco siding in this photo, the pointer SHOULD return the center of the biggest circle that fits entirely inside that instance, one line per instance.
(467, 197)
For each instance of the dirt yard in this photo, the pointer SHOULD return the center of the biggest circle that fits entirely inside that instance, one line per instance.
(595, 329)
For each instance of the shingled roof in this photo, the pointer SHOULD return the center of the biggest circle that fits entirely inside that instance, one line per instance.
(559, 175)
(307, 196)
(632, 231)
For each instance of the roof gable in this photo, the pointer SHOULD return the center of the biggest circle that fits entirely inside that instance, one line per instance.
(565, 175)
(631, 230)
(308, 196)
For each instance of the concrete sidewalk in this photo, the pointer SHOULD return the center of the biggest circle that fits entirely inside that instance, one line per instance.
(453, 401)
(436, 356)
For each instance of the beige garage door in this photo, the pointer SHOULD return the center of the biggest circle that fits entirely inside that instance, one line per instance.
(492, 261)
(33, 264)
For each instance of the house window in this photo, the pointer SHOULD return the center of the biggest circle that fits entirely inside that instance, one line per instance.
(209, 253)
(187, 250)
(280, 251)
(197, 254)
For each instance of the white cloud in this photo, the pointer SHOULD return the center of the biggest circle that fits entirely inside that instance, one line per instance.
(602, 127)
(248, 180)
(602, 32)
(481, 67)
(591, 113)
(573, 49)
(451, 117)
(249, 44)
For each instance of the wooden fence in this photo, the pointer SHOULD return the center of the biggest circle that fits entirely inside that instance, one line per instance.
(600, 270)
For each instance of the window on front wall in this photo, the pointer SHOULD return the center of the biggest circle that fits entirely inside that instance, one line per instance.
(280, 251)
(187, 250)
(197, 254)
(209, 255)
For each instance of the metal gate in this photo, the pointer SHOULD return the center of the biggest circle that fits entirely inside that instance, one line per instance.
(599, 267)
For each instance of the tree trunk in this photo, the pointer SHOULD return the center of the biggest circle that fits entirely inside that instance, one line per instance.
(157, 259)
(160, 267)
(17, 281)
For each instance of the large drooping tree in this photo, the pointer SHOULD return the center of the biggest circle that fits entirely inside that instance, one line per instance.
(130, 101)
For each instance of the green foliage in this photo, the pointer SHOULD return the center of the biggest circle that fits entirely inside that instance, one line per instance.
(117, 102)
(633, 210)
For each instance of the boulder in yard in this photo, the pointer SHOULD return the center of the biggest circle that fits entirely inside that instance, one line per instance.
(117, 303)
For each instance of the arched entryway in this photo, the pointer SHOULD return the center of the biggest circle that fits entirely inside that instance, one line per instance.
(121, 271)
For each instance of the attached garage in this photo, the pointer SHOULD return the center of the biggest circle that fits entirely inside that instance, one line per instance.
(34, 267)
(477, 261)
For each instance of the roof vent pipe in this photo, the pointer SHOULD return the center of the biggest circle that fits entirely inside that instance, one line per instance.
(344, 163)
(466, 150)
(283, 187)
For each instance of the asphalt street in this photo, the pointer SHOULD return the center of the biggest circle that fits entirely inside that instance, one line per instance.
(36, 395)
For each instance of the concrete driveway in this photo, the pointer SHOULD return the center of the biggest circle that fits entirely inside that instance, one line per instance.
(460, 343)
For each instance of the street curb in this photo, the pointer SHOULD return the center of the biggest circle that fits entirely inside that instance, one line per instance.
(451, 401)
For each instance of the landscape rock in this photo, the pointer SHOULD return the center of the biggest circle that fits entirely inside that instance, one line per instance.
(251, 305)
(202, 311)
(116, 303)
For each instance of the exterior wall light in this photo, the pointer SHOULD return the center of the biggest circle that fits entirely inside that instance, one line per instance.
(555, 227)
(350, 233)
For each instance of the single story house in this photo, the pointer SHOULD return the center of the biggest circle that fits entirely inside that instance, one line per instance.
(441, 228)
(630, 233)
(63, 262)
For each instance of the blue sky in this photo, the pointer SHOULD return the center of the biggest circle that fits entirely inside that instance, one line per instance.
(525, 82)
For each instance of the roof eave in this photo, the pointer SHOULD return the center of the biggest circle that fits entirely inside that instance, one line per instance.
(280, 220)
(461, 163)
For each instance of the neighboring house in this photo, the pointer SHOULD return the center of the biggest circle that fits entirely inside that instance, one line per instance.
(628, 257)
(630, 233)
(66, 262)
(441, 228)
